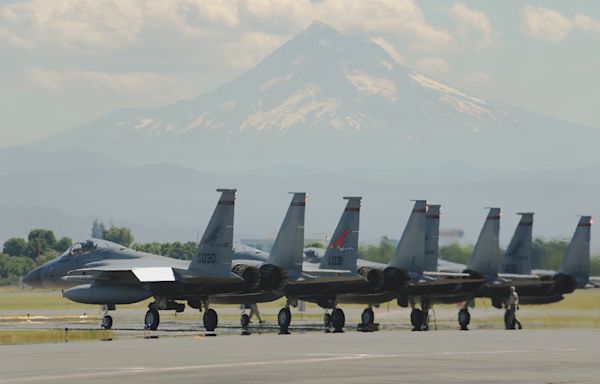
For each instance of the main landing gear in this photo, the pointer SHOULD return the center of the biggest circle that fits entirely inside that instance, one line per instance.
(464, 318)
(284, 318)
(336, 320)
(107, 320)
(419, 318)
(367, 319)
(152, 318)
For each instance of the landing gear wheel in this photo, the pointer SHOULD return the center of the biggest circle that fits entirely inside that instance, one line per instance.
(464, 318)
(417, 318)
(210, 319)
(284, 318)
(152, 319)
(338, 319)
(244, 320)
(107, 322)
(510, 320)
(327, 319)
(367, 317)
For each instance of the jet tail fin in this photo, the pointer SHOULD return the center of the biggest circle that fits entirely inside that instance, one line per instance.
(485, 258)
(410, 252)
(576, 262)
(432, 235)
(342, 251)
(216, 246)
(517, 258)
(287, 251)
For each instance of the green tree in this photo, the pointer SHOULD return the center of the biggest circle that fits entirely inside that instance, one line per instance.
(40, 241)
(548, 254)
(315, 244)
(63, 244)
(456, 253)
(98, 230)
(119, 235)
(595, 266)
(46, 257)
(15, 246)
(14, 267)
(381, 253)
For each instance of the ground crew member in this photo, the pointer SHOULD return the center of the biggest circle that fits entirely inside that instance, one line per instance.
(512, 305)
(254, 311)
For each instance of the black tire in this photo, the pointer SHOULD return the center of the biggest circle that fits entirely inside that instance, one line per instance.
(107, 322)
(210, 319)
(284, 318)
(510, 319)
(338, 319)
(152, 319)
(367, 317)
(464, 319)
(417, 317)
(327, 319)
(244, 320)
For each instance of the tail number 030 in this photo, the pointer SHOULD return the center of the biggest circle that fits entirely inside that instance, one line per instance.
(207, 258)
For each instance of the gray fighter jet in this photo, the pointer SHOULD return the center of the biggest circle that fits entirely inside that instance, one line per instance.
(515, 269)
(96, 271)
(411, 276)
(337, 273)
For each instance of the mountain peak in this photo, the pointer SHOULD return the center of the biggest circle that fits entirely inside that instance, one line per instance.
(320, 29)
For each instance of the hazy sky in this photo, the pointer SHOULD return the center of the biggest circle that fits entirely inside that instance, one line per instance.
(66, 62)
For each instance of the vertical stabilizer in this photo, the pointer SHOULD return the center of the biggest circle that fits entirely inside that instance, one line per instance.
(410, 252)
(432, 236)
(485, 258)
(215, 248)
(517, 258)
(576, 262)
(287, 251)
(342, 251)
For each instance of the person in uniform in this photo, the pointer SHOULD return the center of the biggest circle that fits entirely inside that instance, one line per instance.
(512, 305)
(254, 311)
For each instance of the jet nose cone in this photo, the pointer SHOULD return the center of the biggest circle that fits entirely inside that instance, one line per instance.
(34, 278)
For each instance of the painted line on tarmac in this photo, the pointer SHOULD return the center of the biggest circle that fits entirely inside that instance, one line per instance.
(316, 358)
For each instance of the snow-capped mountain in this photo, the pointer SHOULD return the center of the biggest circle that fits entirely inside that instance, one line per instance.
(324, 99)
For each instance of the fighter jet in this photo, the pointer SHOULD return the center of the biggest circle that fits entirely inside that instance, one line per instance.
(337, 273)
(411, 276)
(486, 260)
(96, 271)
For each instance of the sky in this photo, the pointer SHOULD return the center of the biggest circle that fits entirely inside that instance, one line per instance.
(64, 63)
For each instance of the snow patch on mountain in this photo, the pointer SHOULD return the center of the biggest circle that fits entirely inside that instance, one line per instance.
(296, 109)
(371, 85)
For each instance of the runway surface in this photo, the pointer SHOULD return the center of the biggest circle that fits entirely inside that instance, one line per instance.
(483, 356)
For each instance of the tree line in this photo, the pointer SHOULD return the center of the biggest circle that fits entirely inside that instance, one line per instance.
(21, 255)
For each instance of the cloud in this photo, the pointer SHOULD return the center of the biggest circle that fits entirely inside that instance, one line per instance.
(469, 20)
(478, 77)
(103, 26)
(433, 65)
(586, 23)
(547, 24)
(252, 47)
(126, 84)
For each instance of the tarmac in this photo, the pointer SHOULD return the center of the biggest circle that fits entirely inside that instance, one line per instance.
(449, 356)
